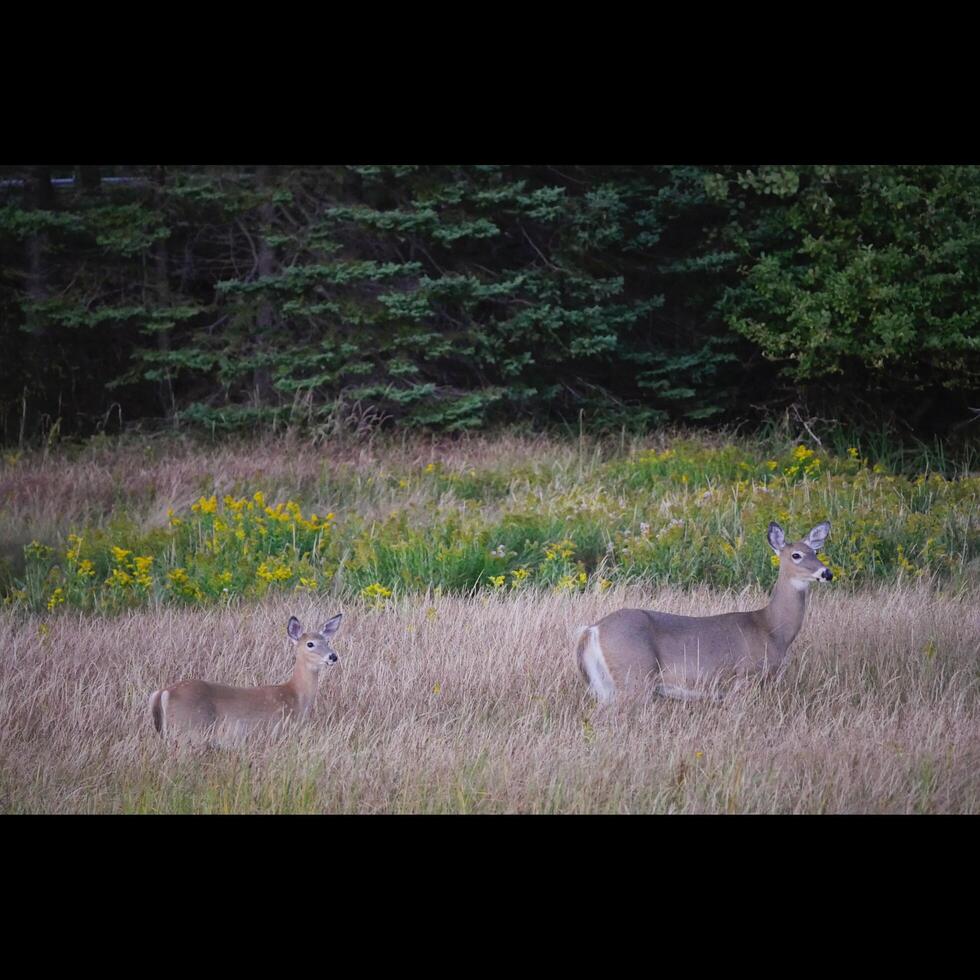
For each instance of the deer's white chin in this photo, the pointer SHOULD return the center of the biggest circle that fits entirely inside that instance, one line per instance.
(801, 584)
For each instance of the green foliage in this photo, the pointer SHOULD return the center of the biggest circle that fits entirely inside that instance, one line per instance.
(687, 515)
(454, 297)
(866, 274)
(444, 297)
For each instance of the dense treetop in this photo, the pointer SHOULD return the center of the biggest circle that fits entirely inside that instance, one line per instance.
(458, 297)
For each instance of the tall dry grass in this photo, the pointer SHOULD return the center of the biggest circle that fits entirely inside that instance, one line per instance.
(462, 705)
(43, 495)
(149, 477)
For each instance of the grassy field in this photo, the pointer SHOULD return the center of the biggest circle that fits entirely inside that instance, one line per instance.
(463, 569)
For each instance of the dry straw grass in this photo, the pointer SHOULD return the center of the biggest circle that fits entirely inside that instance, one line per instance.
(448, 704)
(50, 489)
(44, 495)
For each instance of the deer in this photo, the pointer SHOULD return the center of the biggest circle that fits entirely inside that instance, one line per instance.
(688, 657)
(196, 707)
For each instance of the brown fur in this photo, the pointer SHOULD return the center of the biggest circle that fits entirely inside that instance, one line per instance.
(683, 656)
(200, 706)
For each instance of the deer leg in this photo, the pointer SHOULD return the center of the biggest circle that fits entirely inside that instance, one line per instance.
(684, 693)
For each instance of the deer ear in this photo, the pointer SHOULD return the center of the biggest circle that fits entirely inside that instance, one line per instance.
(776, 537)
(331, 625)
(294, 629)
(818, 535)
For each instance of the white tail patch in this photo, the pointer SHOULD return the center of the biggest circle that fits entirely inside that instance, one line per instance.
(158, 710)
(593, 663)
(200, 706)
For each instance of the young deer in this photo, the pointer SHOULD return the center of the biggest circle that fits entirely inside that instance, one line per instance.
(631, 649)
(197, 706)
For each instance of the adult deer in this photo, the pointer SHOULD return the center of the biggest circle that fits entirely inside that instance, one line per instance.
(200, 706)
(686, 657)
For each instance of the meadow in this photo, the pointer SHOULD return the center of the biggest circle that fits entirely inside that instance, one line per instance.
(463, 567)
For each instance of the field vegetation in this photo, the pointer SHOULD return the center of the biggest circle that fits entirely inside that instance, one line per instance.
(463, 567)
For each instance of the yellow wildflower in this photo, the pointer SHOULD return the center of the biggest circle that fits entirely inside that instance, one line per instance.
(76, 547)
(376, 593)
(567, 583)
(143, 563)
(274, 571)
(563, 549)
(235, 505)
(205, 505)
(119, 579)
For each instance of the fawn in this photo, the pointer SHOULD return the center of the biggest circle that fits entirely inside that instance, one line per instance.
(197, 706)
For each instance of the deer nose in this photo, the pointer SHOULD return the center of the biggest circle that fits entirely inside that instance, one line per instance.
(827, 575)
(332, 658)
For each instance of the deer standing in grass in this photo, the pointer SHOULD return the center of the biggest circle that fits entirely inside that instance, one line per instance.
(685, 657)
(199, 706)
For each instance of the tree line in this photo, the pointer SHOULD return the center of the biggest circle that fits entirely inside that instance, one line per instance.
(457, 297)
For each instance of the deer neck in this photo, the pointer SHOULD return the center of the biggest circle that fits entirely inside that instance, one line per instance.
(784, 614)
(303, 684)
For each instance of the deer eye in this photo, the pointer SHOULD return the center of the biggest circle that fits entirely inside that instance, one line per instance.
(310, 644)
(796, 556)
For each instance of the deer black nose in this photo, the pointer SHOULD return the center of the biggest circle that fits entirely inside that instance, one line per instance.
(332, 658)
(827, 575)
